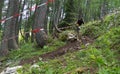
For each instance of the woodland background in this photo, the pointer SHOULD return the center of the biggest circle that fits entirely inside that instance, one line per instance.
(30, 28)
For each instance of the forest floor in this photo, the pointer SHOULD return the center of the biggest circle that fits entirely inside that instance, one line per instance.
(69, 47)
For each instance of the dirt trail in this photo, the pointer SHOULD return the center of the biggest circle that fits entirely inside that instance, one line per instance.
(69, 47)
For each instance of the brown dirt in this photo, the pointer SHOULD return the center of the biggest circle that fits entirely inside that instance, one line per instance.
(69, 47)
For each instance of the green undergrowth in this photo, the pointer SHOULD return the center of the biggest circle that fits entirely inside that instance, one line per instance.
(110, 40)
(96, 28)
(92, 29)
(29, 50)
(94, 60)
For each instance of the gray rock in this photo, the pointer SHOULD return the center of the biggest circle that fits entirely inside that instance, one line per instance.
(11, 70)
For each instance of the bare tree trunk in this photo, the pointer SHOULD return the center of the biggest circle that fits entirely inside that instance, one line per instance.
(79, 9)
(87, 10)
(18, 22)
(40, 14)
(32, 36)
(13, 24)
(56, 17)
(4, 43)
(104, 9)
(20, 18)
(46, 21)
(1, 5)
(9, 36)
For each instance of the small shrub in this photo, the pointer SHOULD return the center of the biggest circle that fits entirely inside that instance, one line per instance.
(92, 29)
(64, 35)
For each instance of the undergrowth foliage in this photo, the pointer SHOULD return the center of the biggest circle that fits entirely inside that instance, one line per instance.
(92, 29)
(29, 50)
(110, 39)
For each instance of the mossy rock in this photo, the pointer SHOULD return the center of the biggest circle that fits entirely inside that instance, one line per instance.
(64, 35)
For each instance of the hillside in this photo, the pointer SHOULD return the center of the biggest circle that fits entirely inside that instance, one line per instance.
(97, 53)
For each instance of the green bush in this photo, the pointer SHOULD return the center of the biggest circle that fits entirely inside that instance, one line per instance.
(63, 36)
(111, 39)
(112, 20)
(97, 28)
(92, 29)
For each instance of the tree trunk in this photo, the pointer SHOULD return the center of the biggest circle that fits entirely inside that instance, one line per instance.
(56, 17)
(21, 16)
(13, 24)
(87, 10)
(40, 14)
(19, 7)
(104, 9)
(9, 36)
(1, 5)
